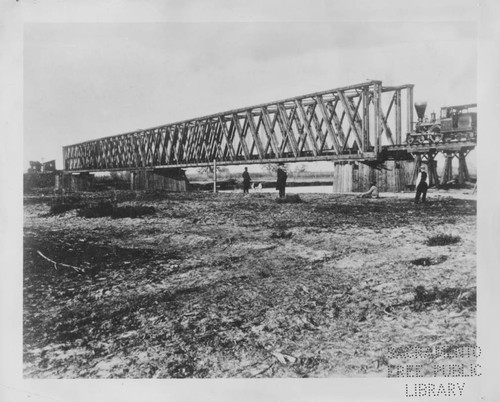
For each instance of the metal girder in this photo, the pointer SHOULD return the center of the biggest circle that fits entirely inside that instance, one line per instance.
(300, 128)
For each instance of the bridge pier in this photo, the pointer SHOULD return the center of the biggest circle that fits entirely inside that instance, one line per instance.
(159, 179)
(393, 176)
(463, 171)
(78, 182)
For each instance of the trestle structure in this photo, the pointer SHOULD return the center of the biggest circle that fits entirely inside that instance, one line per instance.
(348, 123)
(428, 159)
(463, 172)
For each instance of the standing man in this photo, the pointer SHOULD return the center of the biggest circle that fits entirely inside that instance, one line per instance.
(422, 185)
(281, 182)
(246, 181)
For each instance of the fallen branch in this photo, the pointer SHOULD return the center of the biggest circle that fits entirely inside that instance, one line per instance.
(77, 269)
(263, 371)
(48, 259)
(389, 313)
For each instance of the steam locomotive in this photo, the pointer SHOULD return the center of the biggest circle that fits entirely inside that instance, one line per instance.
(456, 124)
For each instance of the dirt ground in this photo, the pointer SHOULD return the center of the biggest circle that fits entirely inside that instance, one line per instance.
(229, 285)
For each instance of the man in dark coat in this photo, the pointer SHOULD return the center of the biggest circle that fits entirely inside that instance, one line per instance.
(422, 185)
(246, 181)
(281, 182)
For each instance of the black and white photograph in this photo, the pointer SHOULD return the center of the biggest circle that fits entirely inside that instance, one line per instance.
(251, 197)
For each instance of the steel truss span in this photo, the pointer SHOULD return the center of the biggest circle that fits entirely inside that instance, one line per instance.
(352, 122)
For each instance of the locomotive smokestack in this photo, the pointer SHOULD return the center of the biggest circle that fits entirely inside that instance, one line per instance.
(420, 108)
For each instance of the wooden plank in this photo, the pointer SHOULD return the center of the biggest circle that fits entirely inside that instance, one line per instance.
(385, 178)
(362, 177)
(347, 178)
(343, 187)
(338, 177)
(389, 176)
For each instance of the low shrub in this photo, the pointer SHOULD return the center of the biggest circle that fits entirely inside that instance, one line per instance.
(65, 203)
(107, 208)
(97, 210)
(281, 235)
(57, 209)
(132, 212)
(442, 240)
(460, 297)
(289, 199)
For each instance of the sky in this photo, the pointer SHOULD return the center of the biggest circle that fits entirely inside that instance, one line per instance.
(84, 81)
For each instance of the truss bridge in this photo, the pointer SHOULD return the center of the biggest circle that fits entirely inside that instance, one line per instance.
(367, 122)
(348, 123)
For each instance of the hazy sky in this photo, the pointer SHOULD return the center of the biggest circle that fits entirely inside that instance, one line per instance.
(84, 81)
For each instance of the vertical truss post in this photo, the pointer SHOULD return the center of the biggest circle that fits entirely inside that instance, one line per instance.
(398, 116)
(215, 175)
(409, 109)
(365, 138)
(378, 117)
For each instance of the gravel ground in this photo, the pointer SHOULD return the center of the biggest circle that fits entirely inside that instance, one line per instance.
(226, 285)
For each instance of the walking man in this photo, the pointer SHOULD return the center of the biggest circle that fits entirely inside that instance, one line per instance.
(246, 181)
(281, 182)
(422, 185)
